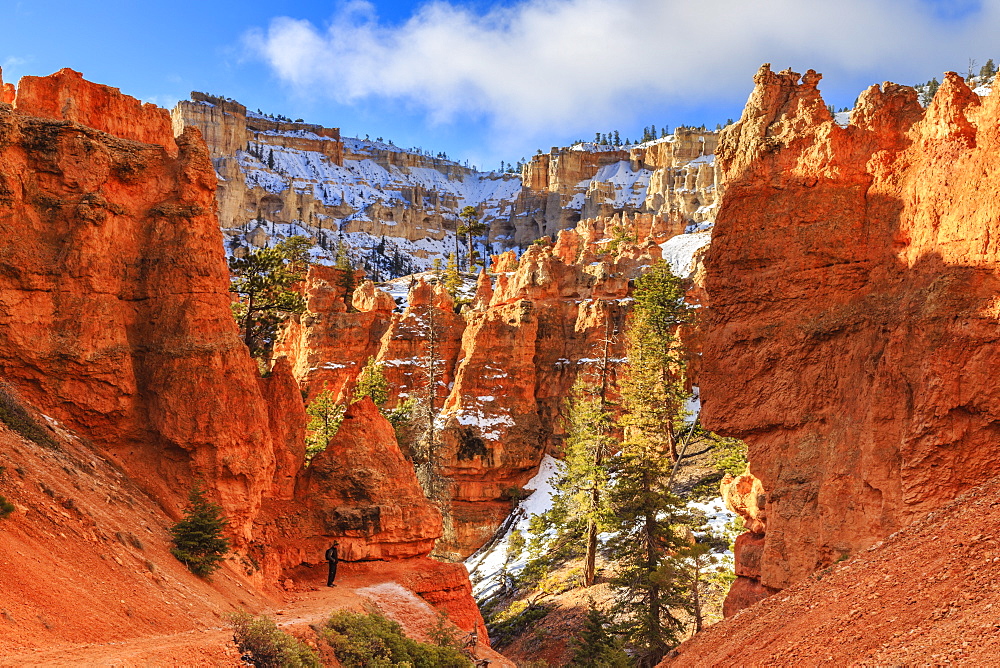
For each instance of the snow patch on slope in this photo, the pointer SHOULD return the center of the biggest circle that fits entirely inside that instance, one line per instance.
(486, 567)
(679, 251)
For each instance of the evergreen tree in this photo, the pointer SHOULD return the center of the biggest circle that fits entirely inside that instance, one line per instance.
(452, 278)
(264, 278)
(426, 461)
(579, 503)
(596, 647)
(987, 70)
(270, 159)
(199, 542)
(372, 383)
(647, 517)
(343, 262)
(325, 416)
(472, 227)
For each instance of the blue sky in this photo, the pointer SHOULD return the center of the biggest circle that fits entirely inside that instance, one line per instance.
(491, 80)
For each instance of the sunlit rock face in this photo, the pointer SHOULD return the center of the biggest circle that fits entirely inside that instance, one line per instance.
(396, 209)
(852, 288)
(504, 364)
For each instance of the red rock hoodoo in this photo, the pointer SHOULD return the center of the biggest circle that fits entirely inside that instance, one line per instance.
(115, 321)
(853, 287)
(506, 362)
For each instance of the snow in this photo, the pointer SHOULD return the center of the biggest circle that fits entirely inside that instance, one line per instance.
(630, 187)
(487, 564)
(692, 405)
(842, 118)
(487, 425)
(717, 515)
(679, 251)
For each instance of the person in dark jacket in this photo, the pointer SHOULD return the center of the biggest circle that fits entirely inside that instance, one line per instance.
(332, 558)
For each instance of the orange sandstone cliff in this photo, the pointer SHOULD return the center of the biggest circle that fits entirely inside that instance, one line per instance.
(505, 363)
(115, 323)
(851, 339)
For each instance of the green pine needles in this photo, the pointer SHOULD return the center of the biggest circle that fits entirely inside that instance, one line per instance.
(198, 539)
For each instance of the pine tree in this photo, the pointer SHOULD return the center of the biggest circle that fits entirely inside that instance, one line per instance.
(372, 383)
(343, 262)
(199, 542)
(325, 416)
(452, 278)
(579, 504)
(987, 70)
(264, 278)
(647, 517)
(426, 461)
(472, 227)
(270, 159)
(596, 647)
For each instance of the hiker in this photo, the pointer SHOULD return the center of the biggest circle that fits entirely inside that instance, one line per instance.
(332, 558)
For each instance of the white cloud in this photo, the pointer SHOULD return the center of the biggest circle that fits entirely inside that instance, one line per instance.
(573, 64)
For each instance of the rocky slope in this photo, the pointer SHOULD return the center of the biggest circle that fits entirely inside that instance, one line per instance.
(115, 321)
(853, 325)
(396, 209)
(505, 363)
(927, 595)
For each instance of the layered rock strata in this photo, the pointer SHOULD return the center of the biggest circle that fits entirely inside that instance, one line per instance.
(115, 321)
(505, 363)
(396, 209)
(113, 293)
(852, 282)
(673, 177)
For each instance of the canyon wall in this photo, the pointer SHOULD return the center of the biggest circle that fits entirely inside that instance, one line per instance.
(673, 177)
(396, 209)
(851, 339)
(114, 310)
(115, 321)
(506, 363)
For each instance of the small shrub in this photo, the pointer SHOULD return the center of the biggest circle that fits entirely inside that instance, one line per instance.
(372, 641)
(13, 414)
(520, 616)
(264, 645)
(198, 539)
(6, 507)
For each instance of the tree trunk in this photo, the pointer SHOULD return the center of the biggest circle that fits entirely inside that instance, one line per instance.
(697, 596)
(247, 331)
(590, 566)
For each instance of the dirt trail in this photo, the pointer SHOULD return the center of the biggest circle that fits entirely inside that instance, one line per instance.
(213, 646)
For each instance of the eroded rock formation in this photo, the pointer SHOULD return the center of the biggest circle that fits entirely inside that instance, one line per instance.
(506, 363)
(397, 209)
(113, 293)
(852, 281)
(115, 320)
(672, 177)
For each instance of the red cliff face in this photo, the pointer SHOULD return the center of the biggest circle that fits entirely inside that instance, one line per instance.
(113, 294)
(67, 96)
(115, 320)
(506, 362)
(852, 324)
